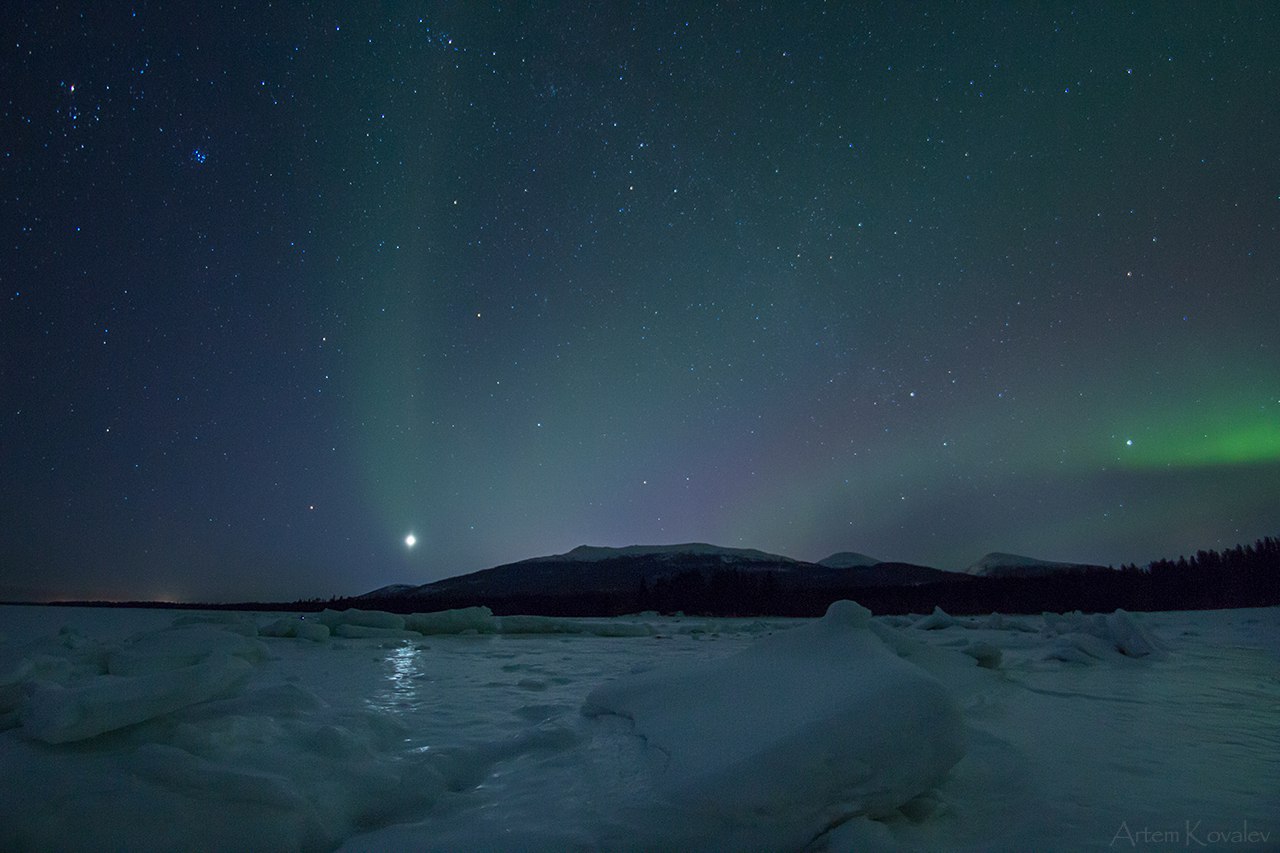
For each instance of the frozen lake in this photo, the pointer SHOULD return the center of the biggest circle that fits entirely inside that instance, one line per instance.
(151, 729)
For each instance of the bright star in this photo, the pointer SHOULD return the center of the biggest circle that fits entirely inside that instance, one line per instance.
(410, 540)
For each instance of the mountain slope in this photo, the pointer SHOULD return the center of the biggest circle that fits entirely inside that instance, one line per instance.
(590, 570)
(593, 553)
(998, 564)
(848, 560)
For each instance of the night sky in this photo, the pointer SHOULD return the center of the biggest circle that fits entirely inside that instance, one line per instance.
(286, 283)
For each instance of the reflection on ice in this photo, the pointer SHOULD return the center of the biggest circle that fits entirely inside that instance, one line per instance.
(404, 680)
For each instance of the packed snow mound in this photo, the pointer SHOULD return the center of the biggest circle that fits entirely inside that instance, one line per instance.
(56, 714)
(848, 560)
(1085, 638)
(53, 659)
(361, 619)
(936, 620)
(364, 632)
(77, 690)
(809, 726)
(181, 646)
(295, 626)
(463, 620)
(187, 750)
(987, 655)
(940, 619)
(1000, 622)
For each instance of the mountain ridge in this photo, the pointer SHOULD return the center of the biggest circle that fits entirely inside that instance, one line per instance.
(593, 553)
(589, 569)
(1001, 564)
(607, 570)
(848, 560)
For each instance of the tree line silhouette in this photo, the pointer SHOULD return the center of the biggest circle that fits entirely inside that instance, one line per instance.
(1242, 576)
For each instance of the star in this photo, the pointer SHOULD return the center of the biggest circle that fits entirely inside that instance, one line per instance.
(410, 541)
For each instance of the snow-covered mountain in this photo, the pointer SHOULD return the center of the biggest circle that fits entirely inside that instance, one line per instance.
(1001, 565)
(595, 553)
(848, 560)
(609, 572)
(590, 569)
(593, 570)
(392, 589)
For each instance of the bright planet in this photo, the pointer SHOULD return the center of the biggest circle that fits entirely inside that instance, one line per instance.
(410, 540)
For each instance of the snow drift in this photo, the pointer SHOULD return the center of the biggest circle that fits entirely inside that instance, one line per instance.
(816, 724)
(359, 730)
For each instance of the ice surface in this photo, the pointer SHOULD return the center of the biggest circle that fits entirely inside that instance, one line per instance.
(295, 626)
(364, 632)
(809, 726)
(935, 620)
(229, 733)
(553, 625)
(361, 618)
(1000, 622)
(474, 619)
(985, 654)
(56, 714)
(184, 645)
(1117, 632)
(374, 624)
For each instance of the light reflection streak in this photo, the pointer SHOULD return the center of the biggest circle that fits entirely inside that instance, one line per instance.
(404, 675)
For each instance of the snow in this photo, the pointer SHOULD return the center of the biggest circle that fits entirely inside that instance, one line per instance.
(848, 560)
(143, 730)
(361, 619)
(555, 625)
(998, 564)
(295, 626)
(998, 559)
(390, 590)
(800, 731)
(593, 553)
(56, 714)
(935, 620)
(474, 619)
(1099, 635)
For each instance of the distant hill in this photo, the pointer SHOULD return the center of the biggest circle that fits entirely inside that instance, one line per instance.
(1000, 565)
(710, 581)
(592, 553)
(848, 560)
(589, 570)
(391, 590)
(892, 574)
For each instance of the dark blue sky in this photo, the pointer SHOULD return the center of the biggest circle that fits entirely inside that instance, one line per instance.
(285, 283)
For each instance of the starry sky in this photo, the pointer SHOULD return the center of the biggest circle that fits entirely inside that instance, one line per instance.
(286, 283)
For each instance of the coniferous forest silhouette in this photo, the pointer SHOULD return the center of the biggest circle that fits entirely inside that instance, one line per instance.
(1241, 576)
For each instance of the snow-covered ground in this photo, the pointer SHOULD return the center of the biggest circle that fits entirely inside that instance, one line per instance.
(148, 729)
